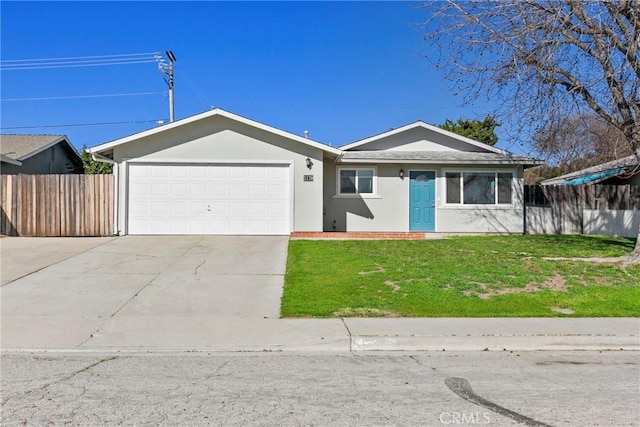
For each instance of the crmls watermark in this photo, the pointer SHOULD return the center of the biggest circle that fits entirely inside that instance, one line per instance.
(454, 418)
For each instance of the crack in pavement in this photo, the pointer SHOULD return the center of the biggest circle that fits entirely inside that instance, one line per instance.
(85, 369)
(350, 336)
(462, 388)
(199, 265)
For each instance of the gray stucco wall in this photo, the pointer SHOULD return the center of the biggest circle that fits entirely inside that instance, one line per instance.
(53, 160)
(388, 210)
(221, 140)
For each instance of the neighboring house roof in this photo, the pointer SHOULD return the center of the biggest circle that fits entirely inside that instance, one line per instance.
(5, 159)
(595, 174)
(440, 157)
(421, 124)
(215, 112)
(21, 147)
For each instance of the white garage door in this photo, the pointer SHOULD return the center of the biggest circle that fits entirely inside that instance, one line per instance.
(208, 199)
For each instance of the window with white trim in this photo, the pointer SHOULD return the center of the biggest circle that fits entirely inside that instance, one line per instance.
(353, 181)
(479, 187)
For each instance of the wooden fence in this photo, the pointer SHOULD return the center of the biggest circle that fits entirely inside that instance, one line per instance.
(57, 205)
(561, 209)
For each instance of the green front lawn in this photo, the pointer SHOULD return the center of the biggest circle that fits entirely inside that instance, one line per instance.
(486, 276)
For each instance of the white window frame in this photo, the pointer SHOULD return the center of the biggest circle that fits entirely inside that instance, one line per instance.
(374, 194)
(495, 203)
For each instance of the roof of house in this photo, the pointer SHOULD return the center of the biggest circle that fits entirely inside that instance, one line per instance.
(421, 124)
(595, 174)
(21, 147)
(6, 159)
(207, 114)
(441, 157)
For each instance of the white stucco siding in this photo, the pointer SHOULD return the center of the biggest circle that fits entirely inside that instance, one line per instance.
(419, 139)
(388, 209)
(219, 140)
(480, 220)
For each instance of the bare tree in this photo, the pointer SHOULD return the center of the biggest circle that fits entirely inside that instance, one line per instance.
(575, 143)
(578, 142)
(544, 59)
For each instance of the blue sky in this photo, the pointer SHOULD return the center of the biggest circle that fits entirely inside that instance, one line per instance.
(342, 70)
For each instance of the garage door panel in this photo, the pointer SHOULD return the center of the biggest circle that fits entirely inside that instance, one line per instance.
(159, 208)
(217, 190)
(208, 199)
(159, 173)
(257, 209)
(276, 191)
(139, 189)
(237, 208)
(238, 173)
(178, 208)
(238, 190)
(277, 209)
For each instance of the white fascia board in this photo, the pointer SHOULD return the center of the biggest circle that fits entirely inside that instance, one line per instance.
(425, 126)
(211, 113)
(431, 162)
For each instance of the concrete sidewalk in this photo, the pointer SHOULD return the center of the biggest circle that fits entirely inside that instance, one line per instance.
(212, 334)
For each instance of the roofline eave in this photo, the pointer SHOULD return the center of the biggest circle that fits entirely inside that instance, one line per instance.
(441, 162)
(211, 113)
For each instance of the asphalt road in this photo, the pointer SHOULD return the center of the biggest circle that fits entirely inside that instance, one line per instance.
(412, 389)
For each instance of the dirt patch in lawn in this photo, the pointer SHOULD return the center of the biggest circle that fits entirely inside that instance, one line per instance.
(555, 283)
(393, 285)
(595, 260)
(377, 270)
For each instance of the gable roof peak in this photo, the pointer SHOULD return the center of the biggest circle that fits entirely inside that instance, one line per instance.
(424, 125)
(211, 113)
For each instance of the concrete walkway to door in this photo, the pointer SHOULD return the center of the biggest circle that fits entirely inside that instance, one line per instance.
(134, 284)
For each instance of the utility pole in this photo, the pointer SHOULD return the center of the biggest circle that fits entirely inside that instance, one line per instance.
(167, 71)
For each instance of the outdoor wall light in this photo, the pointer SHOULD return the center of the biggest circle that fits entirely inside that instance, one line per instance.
(401, 173)
(309, 163)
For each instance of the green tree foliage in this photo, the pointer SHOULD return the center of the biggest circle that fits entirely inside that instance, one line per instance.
(478, 130)
(92, 167)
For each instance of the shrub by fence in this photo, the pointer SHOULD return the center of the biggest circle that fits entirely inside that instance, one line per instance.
(57, 205)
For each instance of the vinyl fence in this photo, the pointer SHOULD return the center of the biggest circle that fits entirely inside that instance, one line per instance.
(57, 205)
(612, 210)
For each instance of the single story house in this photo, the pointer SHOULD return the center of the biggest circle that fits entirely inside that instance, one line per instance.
(221, 173)
(38, 154)
(617, 172)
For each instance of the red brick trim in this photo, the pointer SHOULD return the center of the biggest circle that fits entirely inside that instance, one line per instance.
(357, 235)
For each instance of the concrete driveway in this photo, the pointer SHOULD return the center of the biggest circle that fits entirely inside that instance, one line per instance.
(130, 287)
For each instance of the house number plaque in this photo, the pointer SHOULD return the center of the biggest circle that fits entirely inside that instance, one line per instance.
(308, 178)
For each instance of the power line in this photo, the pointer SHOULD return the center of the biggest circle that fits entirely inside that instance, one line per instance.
(100, 64)
(157, 121)
(79, 61)
(79, 57)
(81, 96)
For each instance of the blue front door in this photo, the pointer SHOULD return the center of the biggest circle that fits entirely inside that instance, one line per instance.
(422, 200)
